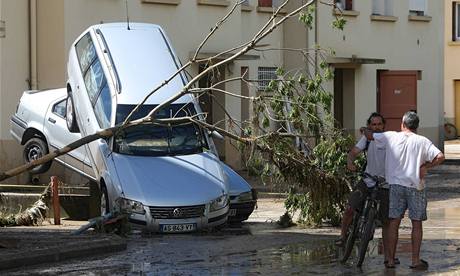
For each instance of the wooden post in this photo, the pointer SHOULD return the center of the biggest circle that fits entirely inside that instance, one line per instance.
(55, 195)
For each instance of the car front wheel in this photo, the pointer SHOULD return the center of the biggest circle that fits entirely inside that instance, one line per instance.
(70, 115)
(105, 209)
(34, 149)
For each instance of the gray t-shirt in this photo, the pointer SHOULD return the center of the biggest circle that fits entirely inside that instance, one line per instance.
(375, 160)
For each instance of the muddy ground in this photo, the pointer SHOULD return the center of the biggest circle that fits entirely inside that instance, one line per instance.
(260, 247)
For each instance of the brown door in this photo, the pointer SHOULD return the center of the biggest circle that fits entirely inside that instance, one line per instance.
(457, 104)
(397, 95)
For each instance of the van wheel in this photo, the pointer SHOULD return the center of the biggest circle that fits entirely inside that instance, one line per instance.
(70, 115)
(105, 207)
(34, 149)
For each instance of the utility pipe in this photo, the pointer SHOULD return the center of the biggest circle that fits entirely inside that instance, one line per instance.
(33, 44)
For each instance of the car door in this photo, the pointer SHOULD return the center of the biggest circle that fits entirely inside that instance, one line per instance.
(93, 100)
(59, 136)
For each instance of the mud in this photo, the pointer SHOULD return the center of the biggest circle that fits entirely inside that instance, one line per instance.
(260, 247)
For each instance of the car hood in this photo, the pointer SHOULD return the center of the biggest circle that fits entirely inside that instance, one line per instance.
(171, 180)
(237, 184)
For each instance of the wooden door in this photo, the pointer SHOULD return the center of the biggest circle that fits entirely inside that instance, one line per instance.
(397, 95)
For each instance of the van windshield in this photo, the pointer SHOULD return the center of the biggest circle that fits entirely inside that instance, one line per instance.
(159, 140)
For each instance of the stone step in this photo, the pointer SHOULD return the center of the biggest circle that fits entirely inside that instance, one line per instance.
(76, 202)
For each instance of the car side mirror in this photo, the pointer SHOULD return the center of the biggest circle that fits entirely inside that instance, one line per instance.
(216, 135)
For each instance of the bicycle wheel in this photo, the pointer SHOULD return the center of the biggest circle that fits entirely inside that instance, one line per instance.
(366, 235)
(351, 237)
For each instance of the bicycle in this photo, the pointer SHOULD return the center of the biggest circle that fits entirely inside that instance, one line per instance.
(364, 222)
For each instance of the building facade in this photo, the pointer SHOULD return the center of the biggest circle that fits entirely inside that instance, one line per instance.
(388, 59)
(451, 44)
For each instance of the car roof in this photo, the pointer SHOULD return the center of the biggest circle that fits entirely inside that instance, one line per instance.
(143, 59)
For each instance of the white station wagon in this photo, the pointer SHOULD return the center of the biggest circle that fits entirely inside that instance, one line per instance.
(168, 176)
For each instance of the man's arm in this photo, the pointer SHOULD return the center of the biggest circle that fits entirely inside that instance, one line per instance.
(436, 161)
(354, 152)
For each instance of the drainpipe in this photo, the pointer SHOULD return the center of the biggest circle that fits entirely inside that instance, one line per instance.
(33, 45)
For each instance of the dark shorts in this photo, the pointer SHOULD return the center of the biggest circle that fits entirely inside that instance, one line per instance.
(359, 194)
(403, 198)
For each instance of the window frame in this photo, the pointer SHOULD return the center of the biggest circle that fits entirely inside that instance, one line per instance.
(53, 109)
(263, 83)
(418, 12)
(388, 5)
(455, 21)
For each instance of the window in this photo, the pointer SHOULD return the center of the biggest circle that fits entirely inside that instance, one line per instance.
(417, 7)
(265, 75)
(103, 107)
(270, 3)
(86, 53)
(345, 5)
(94, 80)
(382, 7)
(456, 21)
(59, 108)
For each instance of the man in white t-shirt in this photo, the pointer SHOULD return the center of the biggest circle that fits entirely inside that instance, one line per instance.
(376, 167)
(407, 158)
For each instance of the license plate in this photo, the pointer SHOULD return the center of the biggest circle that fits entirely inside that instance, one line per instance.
(177, 228)
(232, 212)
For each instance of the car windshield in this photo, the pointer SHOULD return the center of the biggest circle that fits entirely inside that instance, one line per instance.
(159, 140)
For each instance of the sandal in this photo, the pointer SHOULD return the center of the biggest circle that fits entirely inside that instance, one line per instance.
(422, 265)
(396, 261)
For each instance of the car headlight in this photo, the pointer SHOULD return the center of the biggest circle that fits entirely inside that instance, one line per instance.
(243, 197)
(131, 206)
(219, 203)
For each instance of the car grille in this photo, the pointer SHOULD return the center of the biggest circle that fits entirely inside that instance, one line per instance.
(181, 212)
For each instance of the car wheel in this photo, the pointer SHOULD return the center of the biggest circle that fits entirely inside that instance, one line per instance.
(34, 149)
(70, 115)
(105, 207)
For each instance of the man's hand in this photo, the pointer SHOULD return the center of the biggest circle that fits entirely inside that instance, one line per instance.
(367, 132)
(354, 152)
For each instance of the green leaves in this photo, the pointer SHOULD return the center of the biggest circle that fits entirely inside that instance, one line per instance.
(339, 23)
(307, 17)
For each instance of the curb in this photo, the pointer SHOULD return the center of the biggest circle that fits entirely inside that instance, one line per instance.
(93, 245)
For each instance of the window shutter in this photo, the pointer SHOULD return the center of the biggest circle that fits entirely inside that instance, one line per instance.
(378, 7)
(454, 21)
(417, 5)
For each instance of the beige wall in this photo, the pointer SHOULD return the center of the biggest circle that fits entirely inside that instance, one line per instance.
(451, 68)
(59, 22)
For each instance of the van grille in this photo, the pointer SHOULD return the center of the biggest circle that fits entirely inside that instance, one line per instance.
(181, 212)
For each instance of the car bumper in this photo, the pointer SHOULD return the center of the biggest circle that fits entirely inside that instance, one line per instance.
(146, 222)
(18, 127)
(240, 211)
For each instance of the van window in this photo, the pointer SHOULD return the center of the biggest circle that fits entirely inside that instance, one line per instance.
(103, 107)
(59, 108)
(94, 80)
(86, 53)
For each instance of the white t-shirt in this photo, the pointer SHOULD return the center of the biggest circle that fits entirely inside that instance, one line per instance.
(375, 160)
(405, 153)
